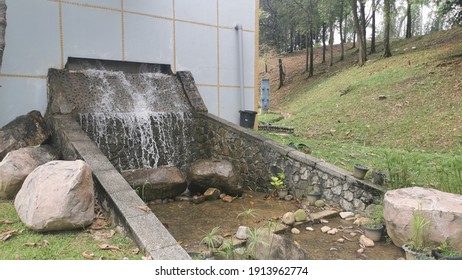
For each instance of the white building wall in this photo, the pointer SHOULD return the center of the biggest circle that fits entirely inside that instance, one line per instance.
(194, 35)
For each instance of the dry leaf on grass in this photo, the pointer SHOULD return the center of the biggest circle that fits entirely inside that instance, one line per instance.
(111, 233)
(108, 247)
(4, 236)
(98, 224)
(6, 222)
(29, 244)
(88, 255)
(45, 243)
(135, 251)
(144, 208)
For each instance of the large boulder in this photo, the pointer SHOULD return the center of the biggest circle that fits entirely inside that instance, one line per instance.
(58, 195)
(25, 130)
(444, 210)
(269, 246)
(220, 174)
(156, 183)
(15, 167)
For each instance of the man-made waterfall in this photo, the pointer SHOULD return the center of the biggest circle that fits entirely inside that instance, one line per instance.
(138, 120)
(140, 139)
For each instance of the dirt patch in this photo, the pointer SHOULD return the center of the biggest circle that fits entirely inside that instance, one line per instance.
(189, 222)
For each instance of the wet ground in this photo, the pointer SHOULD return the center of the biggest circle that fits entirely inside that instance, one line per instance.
(189, 222)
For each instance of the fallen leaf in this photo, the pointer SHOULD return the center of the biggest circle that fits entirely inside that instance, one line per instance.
(252, 203)
(6, 222)
(227, 234)
(111, 233)
(29, 244)
(98, 224)
(17, 257)
(146, 258)
(135, 251)
(46, 243)
(180, 242)
(88, 255)
(4, 236)
(108, 247)
(144, 208)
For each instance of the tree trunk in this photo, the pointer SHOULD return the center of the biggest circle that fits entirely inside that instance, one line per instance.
(374, 7)
(362, 11)
(282, 74)
(331, 44)
(324, 42)
(342, 38)
(354, 39)
(311, 70)
(291, 47)
(386, 39)
(345, 30)
(360, 36)
(409, 20)
(307, 61)
(2, 29)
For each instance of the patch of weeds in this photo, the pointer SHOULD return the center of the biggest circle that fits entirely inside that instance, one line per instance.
(211, 239)
(247, 214)
(450, 176)
(398, 171)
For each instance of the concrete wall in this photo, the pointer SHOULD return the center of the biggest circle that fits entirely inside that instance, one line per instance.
(193, 35)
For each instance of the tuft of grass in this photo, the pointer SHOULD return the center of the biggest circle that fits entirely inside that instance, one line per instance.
(27, 244)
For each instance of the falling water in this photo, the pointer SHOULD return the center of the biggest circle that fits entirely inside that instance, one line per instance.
(139, 120)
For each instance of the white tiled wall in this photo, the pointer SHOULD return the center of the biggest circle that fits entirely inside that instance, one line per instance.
(193, 35)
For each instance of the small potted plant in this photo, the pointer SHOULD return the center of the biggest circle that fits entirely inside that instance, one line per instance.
(445, 252)
(418, 247)
(360, 171)
(279, 185)
(374, 228)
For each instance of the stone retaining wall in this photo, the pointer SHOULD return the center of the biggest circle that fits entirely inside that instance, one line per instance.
(257, 159)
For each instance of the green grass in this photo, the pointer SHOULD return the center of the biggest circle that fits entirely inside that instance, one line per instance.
(415, 132)
(423, 167)
(63, 245)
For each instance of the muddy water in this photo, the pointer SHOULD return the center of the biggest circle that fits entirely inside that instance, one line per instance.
(189, 222)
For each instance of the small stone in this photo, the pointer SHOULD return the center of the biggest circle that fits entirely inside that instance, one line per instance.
(198, 199)
(341, 240)
(333, 249)
(222, 195)
(366, 241)
(183, 198)
(158, 201)
(353, 234)
(360, 251)
(332, 231)
(300, 215)
(242, 233)
(345, 215)
(289, 197)
(295, 231)
(309, 229)
(382, 97)
(325, 229)
(227, 198)
(323, 221)
(288, 218)
(319, 203)
(212, 194)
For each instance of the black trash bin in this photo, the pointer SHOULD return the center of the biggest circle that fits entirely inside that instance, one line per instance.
(247, 118)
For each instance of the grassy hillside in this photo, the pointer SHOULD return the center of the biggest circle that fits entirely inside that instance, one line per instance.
(407, 108)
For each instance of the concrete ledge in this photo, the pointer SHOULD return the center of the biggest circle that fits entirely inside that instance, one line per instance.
(144, 227)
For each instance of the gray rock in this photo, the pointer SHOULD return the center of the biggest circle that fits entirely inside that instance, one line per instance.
(220, 174)
(58, 195)
(319, 203)
(325, 229)
(25, 130)
(345, 215)
(365, 241)
(443, 210)
(15, 167)
(269, 246)
(212, 194)
(242, 233)
(156, 183)
(288, 218)
(300, 215)
(295, 231)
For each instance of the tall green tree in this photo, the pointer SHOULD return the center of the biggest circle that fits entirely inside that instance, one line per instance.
(360, 36)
